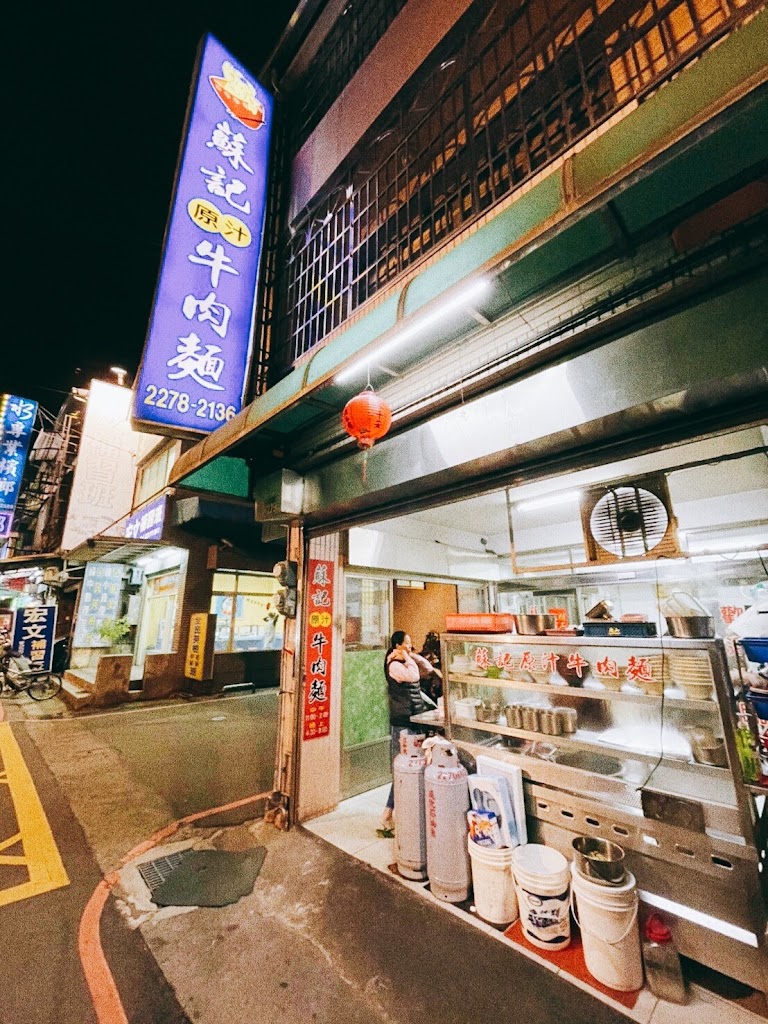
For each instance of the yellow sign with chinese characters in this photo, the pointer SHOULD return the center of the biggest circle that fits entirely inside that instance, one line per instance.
(210, 218)
(199, 661)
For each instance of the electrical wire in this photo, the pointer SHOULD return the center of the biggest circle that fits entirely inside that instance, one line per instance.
(662, 648)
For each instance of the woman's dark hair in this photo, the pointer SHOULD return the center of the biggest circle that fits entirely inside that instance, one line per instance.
(397, 638)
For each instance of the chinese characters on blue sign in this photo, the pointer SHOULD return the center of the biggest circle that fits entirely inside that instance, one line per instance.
(198, 347)
(34, 633)
(17, 418)
(147, 523)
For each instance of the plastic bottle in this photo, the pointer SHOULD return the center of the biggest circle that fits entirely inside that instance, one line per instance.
(663, 970)
(746, 742)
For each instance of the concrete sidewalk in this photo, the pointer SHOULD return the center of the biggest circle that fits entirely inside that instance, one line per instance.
(324, 937)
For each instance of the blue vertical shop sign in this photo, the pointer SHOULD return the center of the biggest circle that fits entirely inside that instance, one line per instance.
(17, 418)
(197, 353)
(34, 633)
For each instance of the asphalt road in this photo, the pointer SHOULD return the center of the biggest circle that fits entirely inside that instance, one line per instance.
(106, 781)
(196, 755)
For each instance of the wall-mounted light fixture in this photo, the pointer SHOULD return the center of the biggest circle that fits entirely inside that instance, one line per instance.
(548, 501)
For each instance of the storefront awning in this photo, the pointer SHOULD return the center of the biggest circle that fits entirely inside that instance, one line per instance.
(218, 519)
(112, 549)
(27, 561)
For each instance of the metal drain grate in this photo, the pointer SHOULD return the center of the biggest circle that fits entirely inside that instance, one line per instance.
(155, 872)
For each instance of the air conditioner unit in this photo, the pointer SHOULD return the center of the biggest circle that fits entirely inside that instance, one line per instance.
(629, 520)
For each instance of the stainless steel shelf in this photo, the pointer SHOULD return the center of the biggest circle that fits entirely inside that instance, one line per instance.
(591, 694)
(585, 742)
(428, 718)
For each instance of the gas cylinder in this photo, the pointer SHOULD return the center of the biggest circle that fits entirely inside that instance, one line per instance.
(446, 800)
(410, 834)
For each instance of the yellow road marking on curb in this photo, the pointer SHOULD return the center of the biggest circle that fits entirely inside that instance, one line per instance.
(41, 855)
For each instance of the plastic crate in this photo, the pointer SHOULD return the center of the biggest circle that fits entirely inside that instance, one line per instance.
(755, 648)
(635, 629)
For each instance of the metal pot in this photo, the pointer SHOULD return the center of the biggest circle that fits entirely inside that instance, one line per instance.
(708, 749)
(568, 719)
(599, 860)
(488, 711)
(691, 627)
(586, 761)
(530, 719)
(549, 722)
(514, 716)
(534, 625)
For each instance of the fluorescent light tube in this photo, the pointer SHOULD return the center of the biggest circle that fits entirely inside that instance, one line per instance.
(442, 310)
(727, 544)
(549, 500)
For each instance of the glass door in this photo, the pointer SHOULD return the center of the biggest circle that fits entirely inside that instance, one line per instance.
(365, 707)
(158, 618)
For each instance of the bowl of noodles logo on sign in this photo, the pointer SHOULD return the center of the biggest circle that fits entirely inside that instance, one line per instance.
(238, 96)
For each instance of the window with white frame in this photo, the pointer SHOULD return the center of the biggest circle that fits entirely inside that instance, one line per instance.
(153, 475)
(246, 616)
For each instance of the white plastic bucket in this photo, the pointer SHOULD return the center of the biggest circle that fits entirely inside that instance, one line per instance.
(542, 881)
(607, 916)
(493, 883)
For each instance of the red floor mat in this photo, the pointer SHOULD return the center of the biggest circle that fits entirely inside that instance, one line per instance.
(571, 960)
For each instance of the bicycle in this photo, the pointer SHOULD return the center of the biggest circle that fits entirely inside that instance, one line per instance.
(18, 677)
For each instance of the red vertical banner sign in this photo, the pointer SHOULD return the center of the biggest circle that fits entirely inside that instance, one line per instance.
(317, 652)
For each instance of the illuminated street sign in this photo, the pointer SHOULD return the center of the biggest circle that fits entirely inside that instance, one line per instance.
(197, 353)
(17, 418)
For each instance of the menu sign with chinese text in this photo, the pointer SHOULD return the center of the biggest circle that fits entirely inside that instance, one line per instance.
(195, 364)
(34, 634)
(199, 660)
(318, 649)
(100, 599)
(17, 418)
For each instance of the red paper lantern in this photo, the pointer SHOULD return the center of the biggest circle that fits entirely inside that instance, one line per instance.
(367, 418)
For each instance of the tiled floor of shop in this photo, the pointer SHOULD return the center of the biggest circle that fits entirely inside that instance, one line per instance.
(352, 828)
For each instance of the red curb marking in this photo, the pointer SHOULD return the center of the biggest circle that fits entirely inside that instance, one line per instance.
(101, 985)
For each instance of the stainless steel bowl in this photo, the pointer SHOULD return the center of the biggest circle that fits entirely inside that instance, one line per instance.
(534, 625)
(691, 627)
(599, 860)
(710, 752)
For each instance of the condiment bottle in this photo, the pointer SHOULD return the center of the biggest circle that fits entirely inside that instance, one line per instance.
(663, 970)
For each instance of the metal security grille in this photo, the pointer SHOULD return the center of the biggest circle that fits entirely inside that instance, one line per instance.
(358, 29)
(518, 90)
(155, 872)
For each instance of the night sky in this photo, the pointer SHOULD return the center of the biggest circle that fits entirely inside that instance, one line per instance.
(91, 162)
